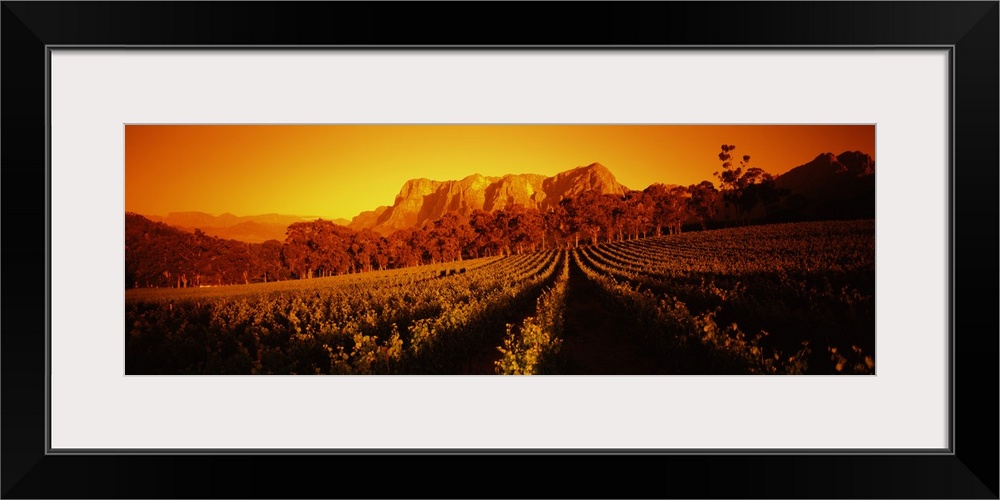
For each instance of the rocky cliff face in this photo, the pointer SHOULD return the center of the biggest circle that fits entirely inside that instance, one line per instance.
(368, 218)
(423, 200)
(593, 177)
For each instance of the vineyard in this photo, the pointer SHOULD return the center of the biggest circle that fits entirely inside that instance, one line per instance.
(773, 299)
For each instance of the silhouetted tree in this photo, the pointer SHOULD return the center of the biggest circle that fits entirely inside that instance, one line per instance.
(269, 261)
(521, 228)
(447, 237)
(639, 212)
(402, 248)
(419, 242)
(670, 207)
(584, 216)
(486, 240)
(765, 193)
(382, 253)
(556, 229)
(332, 244)
(296, 253)
(729, 179)
(703, 202)
(737, 184)
(363, 248)
(613, 210)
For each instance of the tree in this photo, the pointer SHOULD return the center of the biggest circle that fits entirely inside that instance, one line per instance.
(639, 212)
(419, 243)
(382, 253)
(729, 179)
(269, 261)
(502, 225)
(670, 207)
(736, 184)
(614, 213)
(296, 253)
(677, 209)
(202, 257)
(318, 248)
(448, 237)
(584, 216)
(364, 247)
(703, 202)
(767, 194)
(554, 227)
(331, 245)
(401, 249)
(236, 262)
(750, 192)
(522, 228)
(155, 254)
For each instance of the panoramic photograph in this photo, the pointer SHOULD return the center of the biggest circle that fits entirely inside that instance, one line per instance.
(499, 250)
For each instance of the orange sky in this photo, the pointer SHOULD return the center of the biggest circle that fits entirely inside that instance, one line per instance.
(334, 171)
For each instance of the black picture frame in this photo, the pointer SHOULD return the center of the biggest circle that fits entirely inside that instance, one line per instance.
(970, 29)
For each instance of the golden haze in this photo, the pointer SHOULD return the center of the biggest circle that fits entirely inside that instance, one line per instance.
(337, 171)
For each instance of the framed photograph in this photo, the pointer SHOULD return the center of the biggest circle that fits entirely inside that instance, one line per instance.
(231, 199)
(555, 269)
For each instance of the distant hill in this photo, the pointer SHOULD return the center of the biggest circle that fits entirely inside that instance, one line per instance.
(249, 228)
(423, 200)
(831, 187)
(828, 187)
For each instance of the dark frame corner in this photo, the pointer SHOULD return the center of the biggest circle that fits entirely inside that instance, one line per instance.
(971, 28)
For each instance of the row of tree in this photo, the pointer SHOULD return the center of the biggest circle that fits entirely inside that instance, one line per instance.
(161, 256)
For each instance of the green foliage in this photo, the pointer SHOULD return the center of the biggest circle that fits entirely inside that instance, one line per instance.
(410, 321)
(531, 349)
(695, 298)
(791, 298)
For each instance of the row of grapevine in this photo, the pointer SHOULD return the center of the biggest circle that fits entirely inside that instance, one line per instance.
(380, 279)
(681, 342)
(807, 290)
(797, 298)
(531, 347)
(372, 323)
(830, 247)
(466, 328)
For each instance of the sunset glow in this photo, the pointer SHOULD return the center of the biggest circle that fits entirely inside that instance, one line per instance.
(337, 171)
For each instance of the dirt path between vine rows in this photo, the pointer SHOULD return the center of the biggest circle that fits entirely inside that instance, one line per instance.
(593, 342)
(483, 361)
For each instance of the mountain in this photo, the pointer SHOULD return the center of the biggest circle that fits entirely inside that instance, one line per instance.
(368, 218)
(423, 200)
(841, 186)
(250, 228)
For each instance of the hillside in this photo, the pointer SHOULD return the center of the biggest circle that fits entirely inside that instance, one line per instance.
(249, 228)
(831, 187)
(423, 200)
